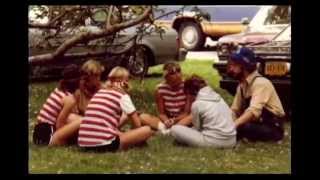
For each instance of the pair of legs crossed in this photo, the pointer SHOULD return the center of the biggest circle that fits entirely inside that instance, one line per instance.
(133, 137)
(192, 137)
(65, 133)
(154, 121)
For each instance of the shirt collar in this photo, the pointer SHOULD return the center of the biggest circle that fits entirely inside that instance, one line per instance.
(251, 76)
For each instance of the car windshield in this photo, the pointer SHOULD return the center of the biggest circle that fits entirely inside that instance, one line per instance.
(278, 15)
(269, 15)
(285, 35)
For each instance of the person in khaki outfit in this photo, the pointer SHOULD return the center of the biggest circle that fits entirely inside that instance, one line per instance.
(257, 109)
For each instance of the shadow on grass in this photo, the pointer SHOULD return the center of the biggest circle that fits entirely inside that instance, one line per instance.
(154, 75)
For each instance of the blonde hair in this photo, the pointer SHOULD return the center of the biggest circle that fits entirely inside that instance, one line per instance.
(116, 76)
(92, 67)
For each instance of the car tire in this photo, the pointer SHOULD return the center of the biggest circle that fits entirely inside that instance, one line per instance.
(191, 36)
(139, 65)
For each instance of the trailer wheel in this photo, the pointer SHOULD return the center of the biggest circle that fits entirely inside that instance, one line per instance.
(191, 36)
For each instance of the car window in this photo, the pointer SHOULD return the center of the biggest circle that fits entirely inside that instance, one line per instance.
(278, 15)
(284, 35)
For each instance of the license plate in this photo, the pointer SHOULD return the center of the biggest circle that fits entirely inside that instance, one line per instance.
(276, 68)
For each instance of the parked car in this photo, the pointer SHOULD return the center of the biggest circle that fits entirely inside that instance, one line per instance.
(151, 50)
(264, 26)
(274, 62)
(192, 31)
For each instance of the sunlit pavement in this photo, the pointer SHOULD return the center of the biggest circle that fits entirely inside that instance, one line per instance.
(204, 54)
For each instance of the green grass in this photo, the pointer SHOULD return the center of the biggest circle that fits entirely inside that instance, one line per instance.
(161, 155)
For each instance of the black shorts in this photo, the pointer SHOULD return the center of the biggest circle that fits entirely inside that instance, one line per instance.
(42, 133)
(114, 146)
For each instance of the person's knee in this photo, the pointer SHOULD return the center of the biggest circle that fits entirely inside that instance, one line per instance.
(147, 130)
(175, 130)
(145, 116)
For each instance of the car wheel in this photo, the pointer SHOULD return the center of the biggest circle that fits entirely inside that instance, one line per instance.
(191, 36)
(139, 65)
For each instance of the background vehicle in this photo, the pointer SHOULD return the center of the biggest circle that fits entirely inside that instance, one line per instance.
(274, 63)
(264, 26)
(212, 21)
(151, 49)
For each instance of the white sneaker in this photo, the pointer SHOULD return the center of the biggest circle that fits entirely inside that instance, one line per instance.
(165, 132)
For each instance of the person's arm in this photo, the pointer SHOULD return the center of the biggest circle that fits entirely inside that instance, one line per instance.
(68, 104)
(129, 109)
(195, 116)
(236, 104)
(247, 116)
(135, 119)
(160, 106)
(187, 110)
(261, 93)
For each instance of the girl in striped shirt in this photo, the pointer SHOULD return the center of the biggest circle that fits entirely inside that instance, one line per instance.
(100, 127)
(56, 124)
(172, 103)
(90, 83)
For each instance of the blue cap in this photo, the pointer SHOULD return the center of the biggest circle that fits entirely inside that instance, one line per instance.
(244, 56)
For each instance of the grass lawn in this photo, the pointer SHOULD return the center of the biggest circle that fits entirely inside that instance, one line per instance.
(161, 155)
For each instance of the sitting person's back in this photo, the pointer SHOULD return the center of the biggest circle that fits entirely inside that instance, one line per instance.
(211, 117)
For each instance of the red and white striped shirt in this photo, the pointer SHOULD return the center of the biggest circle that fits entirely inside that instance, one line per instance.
(101, 120)
(52, 107)
(174, 99)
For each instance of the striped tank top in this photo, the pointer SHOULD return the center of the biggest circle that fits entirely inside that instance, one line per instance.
(52, 107)
(174, 99)
(101, 119)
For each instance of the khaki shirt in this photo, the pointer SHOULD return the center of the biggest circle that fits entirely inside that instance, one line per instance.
(263, 94)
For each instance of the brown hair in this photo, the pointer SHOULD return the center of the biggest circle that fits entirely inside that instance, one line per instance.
(193, 84)
(92, 67)
(171, 67)
(116, 76)
(71, 78)
(89, 83)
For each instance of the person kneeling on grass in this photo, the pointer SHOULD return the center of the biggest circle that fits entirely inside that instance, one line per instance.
(56, 124)
(211, 117)
(99, 129)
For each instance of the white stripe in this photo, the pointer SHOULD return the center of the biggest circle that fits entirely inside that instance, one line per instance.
(115, 121)
(48, 108)
(104, 101)
(56, 98)
(60, 93)
(97, 127)
(181, 97)
(94, 119)
(52, 103)
(110, 96)
(45, 120)
(48, 115)
(104, 108)
(174, 104)
(91, 139)
(170, 92)
(173, 109)
(85, 132)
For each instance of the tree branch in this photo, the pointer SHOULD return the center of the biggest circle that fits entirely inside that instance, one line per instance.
(87, 36)
(50, 25)
(42, 26)
(108, 22)
(89, 54)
